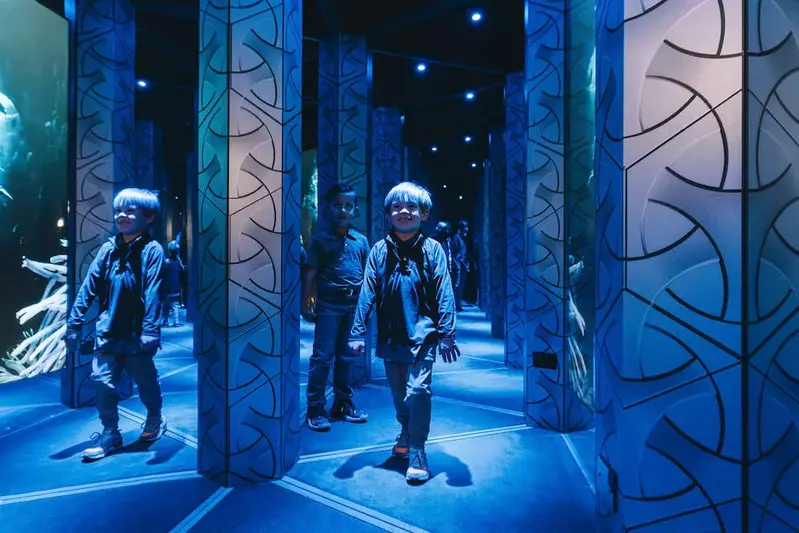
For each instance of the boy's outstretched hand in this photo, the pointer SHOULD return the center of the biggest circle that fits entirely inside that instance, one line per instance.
(357, 347)
(449, 350)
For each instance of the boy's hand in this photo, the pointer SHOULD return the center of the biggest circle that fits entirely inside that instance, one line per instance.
(449, 350)
(149, 343)
(357, 347)
(71, 340)
(308, 311)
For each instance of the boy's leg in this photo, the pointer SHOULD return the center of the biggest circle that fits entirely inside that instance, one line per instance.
(419, 400)
(324, 350)
(397, 377)
(144, 372)
(343, 407)
(107, 372)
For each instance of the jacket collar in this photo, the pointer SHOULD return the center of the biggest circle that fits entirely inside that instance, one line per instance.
(119, 242)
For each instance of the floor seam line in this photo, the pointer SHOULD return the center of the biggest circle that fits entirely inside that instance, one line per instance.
(12, 499)
(202, 510)
(580, 465)
(347, 507)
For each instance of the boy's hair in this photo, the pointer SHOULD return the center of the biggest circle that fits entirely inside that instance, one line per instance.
(173, 248)
(339, 188)
(409, 192)
(145, 200)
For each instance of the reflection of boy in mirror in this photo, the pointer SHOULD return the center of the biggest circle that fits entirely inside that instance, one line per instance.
(125, 280)
(173, 271)
(335, 264)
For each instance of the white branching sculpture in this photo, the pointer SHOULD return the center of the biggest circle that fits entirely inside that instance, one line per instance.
(42, 350)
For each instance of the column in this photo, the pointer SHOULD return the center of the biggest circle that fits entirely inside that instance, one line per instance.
(104, 38)
(149, 159)
(558, 163)
(496, 232)
(698, 232)
(387, 157)
(486, 249)
(247, 332)
(515, 208)
(345, 86)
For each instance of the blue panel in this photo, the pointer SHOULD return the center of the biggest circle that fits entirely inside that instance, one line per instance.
(556, 59)
(104, 61)
(247, 335)
(345, 82)
(698, 232)
(515, 206)
(496, 218)
(387, 156)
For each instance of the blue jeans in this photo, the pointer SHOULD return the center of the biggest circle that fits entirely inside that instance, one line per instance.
(110, 383)
(331, 346)
(411, 391)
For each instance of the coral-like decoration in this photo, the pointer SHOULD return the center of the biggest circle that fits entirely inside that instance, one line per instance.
(43, 350)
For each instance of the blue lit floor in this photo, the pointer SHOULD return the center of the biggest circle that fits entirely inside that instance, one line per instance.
(490, 472)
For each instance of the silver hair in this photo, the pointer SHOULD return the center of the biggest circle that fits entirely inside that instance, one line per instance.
(146, 200)
(409, 192)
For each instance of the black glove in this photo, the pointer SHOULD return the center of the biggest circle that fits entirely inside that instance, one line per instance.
(449, 350)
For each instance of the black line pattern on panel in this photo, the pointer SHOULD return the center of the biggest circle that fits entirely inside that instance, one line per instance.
(696, 301)
(558, 52)
(249, 162)
(496, 199)
(344, 107)
(515, 209)
(386, 164)
(105, 44)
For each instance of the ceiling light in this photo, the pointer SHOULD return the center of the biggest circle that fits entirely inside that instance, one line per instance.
(467, 139)
(142, 83)
(476, 16)
(434, 149)
(421, 67)
(470, 96)
(474, 165)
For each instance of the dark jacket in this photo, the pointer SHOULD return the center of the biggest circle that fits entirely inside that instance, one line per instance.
(125, 279)
(172, 277)
(408, 283)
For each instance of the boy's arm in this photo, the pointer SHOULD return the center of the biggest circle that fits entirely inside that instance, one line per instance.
(152, 273)
(445, 298)
(368, 296)
(88, 292)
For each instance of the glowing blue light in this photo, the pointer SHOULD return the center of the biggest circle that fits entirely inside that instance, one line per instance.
(477, 16)
(142, 83)
(474, 165)
(434, 149)
(470, 96)
(467, 139)
(421, 67)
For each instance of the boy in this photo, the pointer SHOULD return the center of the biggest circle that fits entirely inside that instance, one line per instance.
(335, 262)
(173, 270)
(408, 281)
(125, 279)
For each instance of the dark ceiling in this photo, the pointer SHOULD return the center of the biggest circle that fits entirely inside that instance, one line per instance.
(462, 56)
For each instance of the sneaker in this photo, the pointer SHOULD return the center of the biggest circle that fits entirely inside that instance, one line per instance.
(103, 444)
(153, 429)
(346, 410)
(317, 419)
(417, 468)
(401, 448)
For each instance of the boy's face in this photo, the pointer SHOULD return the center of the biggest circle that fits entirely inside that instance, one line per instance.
(342, 210)
(132, 220)
(406, 217)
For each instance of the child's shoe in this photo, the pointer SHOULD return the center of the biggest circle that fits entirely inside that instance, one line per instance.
(103, 445)
(401, 448)
(317, 419)
(346, 410)
(153, 429)
(417, 468)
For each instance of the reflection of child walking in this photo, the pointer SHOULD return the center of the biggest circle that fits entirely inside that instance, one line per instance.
(125, 280)
(173, 273)
(407, 281)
